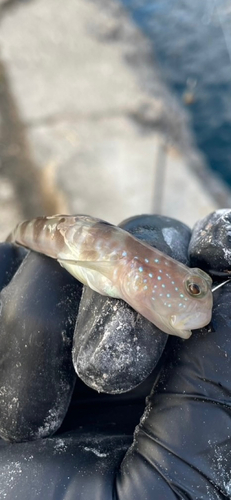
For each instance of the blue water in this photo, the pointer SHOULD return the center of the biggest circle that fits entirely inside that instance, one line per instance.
(192, 43)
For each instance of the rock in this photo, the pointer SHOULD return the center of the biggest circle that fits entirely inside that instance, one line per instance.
(114, 347)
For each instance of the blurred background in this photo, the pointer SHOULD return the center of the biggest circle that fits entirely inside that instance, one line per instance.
(114, 108)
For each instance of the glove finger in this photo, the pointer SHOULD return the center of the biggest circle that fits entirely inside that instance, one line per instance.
(115, 348)
(184, 435)
(38, 312)
(10, 258)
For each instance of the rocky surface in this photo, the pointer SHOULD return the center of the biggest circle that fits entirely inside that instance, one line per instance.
(87, 124)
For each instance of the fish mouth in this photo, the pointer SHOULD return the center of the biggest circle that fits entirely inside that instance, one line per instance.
(191, 322)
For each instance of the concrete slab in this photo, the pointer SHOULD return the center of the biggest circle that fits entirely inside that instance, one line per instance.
(99, 131)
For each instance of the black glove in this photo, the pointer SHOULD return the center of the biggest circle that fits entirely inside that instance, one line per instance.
(181, 447)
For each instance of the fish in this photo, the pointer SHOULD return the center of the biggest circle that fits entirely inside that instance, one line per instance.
(111, 261)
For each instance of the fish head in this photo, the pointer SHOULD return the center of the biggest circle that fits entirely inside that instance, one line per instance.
(195, 309)
(175, 298)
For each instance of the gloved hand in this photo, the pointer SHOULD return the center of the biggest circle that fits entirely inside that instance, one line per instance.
(181, 446)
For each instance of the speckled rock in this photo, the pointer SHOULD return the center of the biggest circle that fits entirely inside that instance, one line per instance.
(114, 347)
(36, 371)
(210, 245)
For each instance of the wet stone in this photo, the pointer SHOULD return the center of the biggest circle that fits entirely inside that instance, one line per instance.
(114, 347)
(210, 245)
(37, 318)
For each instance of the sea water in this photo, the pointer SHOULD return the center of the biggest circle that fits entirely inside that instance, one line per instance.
(192, 43)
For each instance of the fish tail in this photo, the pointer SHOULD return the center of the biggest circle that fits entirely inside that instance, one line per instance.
(40, 234)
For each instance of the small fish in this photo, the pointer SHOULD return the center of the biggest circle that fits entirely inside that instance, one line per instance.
(112, 262)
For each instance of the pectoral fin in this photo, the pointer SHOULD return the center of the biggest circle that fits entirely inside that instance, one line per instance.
(98, 278)
(105, 268)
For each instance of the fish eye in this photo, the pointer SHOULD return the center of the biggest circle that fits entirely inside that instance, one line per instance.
(196, 287)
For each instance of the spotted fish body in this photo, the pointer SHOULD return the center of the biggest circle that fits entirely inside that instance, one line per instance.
(113, 262)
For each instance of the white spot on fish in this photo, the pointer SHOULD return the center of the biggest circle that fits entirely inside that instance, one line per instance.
(51, 227)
